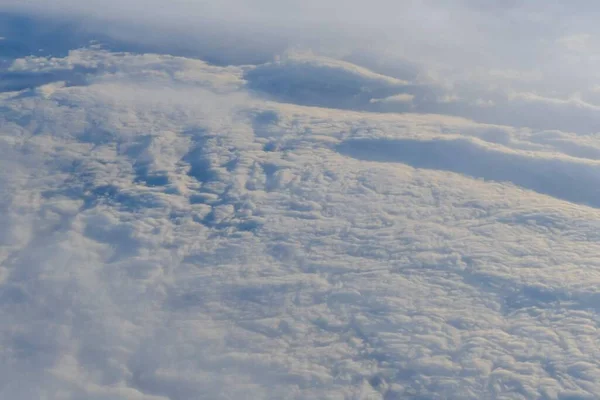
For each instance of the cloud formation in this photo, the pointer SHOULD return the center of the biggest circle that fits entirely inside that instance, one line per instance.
(199, 207)
(170, 235)
(526, 64)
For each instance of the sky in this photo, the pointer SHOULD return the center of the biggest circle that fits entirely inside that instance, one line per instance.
(299, 200)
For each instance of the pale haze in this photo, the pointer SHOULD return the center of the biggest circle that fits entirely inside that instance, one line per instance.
(299, 200)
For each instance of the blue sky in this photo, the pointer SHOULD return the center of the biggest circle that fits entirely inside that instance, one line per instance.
(299, 200)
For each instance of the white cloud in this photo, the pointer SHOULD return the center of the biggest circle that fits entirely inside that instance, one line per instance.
(169, 235)
(444, 50)
(398, 98)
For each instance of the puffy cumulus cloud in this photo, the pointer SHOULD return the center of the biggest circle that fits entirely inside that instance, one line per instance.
(168, 233)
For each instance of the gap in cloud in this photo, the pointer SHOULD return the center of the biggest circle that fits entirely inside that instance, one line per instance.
(25, 35)
(13, 81)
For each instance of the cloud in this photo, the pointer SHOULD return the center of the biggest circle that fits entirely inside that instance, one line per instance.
(326, 82)
(169, 233)
(398, 98)
(479, 56)
(323, 82)
(303, 200)
(433, 32)
(549, 175)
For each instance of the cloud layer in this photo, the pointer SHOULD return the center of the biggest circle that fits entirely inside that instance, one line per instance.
(526, 64)
(170, 235)
(299, 200)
